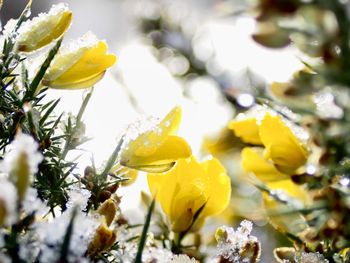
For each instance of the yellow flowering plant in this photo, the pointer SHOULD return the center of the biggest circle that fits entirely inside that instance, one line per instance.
(277, 154)
(295, 165)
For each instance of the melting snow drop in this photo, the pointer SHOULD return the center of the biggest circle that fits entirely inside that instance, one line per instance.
(345, 181)
(245, 100)
(311, 169)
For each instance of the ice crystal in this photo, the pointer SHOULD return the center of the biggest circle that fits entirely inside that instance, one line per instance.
(326, 107)
(245, 100)
(139, 127)
(182, 259)
(9, 27)
(22, 144)
(311, 258)
(51, 235)
(8, 201)
(32, 203)
(4, 258)
(233, 244)
(28, 25)
(78, 197)
(151, 254)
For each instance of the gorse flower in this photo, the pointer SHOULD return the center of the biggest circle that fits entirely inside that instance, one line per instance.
(42, 30)
(104, 237)
(156, 149)
(277, 155)
(21, 162)
(191, 188)
(80, 65)
(283, 152)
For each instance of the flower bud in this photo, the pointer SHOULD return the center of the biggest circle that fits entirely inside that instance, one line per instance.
(42, 30)
(80, 65)
(108, 209)
(103, 239)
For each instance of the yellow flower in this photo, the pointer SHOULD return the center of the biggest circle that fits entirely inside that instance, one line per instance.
(157, 149)
(282, 149)
(103, 239)
(42, 30)
(189, 187)
(108, 209)
(79, 66)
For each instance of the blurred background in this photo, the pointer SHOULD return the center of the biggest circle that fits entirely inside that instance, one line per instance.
(198, 54)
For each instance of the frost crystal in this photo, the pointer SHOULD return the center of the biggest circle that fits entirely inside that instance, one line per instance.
(182, 259)
(55, 10)
(78, 197)
(238, 246)
(32, 203)
(22, 144)
(326, 107)
(311, 258)
(139, 127)
(51, 234)
(8, 201)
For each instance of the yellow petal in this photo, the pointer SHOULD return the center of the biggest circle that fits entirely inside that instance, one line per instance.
(247, 130)
(157, 149)
(80, 84)
(220, 188)
(131, 174)
(186, 204)
(292, 189)
(253, 161)
(92, 63)
(180, 192)
(172, 149)
(147, 143)
(44, 29)
(188, 187)
(282, 146)
(165, 186)
(103, 239)
(20, 175)
(79, 66)
(108, 209)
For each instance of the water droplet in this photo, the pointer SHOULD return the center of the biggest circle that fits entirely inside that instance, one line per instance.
(345, 181)
(311, 169)
(245, 100)
(26, 107)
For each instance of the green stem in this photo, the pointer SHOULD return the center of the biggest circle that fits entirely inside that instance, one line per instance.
(138, 258)
(112, 159)
(67, 146)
